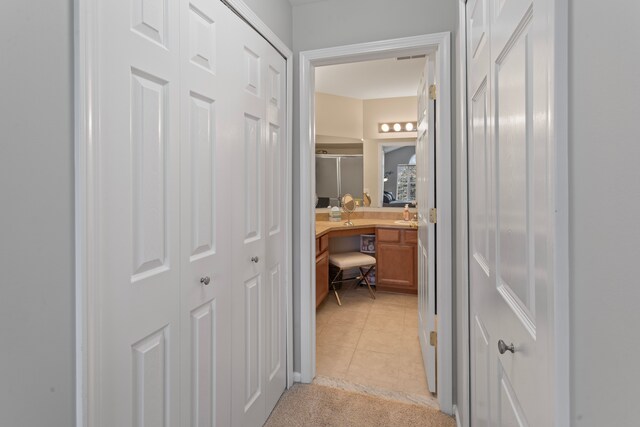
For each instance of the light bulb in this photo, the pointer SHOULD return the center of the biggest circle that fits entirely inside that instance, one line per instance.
(397, 127)
(384, 127)
(408, 127)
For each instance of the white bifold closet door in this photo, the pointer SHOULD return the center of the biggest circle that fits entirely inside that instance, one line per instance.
(134, 331)
(189, 155)
(259, 364)
(206, 171)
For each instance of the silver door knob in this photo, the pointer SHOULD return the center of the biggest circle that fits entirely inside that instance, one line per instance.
(255, 259)
(503, 348)
(205, 280)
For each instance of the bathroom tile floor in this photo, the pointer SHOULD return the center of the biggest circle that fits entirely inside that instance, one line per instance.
(371, 342)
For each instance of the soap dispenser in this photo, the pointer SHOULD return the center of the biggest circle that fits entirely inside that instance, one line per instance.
(405, 213)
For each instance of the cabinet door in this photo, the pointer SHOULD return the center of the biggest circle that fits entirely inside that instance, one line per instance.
(322, 277)
(396, 267)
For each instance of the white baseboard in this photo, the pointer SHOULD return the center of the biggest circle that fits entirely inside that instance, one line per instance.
(296, 377)
(456, 414)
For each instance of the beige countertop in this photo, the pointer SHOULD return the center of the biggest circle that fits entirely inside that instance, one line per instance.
(323, 227)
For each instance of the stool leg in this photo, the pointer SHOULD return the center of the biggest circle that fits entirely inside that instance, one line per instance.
(333, 287)
(366, 279)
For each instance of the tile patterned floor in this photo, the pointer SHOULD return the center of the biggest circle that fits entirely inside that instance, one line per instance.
(371, 342)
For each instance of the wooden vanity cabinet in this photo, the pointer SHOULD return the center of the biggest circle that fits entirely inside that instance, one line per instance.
(322, 268)
(397, 260)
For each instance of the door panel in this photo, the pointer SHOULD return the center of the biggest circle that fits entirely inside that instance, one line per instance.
(425, 186)
(509, 411)
(204, 347)
(479, 153)
(274, 179)
(508, 211)
(275, 256)
(274, 321)
(135, 352)
(253, 336)
(203, 165)
(150, 382)
(513, 136)
(252, 188)
(205, 307)
(148, 128)
(481, 367)
(258, 329)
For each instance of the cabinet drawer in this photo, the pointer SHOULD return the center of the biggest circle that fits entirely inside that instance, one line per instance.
(388, 235)
(410, 236)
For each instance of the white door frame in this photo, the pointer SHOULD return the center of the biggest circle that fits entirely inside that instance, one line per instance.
(462, 407)
(558, 68)
(440, 43)
(86, 95)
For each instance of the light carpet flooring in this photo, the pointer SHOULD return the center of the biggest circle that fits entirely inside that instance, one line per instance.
(371, 342)
(316, 405)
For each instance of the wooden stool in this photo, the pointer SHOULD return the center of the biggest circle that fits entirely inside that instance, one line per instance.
(346, 260)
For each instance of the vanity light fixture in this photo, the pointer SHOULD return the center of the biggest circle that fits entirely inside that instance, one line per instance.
(397, 127)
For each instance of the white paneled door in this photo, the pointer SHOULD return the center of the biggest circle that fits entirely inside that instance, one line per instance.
(258, 199)
(187, 306)
(205, 216)
(509, 215)
(425, 152)
(136, 364)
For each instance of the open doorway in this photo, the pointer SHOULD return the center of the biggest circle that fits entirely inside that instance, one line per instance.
(368, 325)
(368, 338)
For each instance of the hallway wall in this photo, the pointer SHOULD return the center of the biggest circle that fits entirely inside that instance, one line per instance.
(604, 209)
(277, 15)
(336, 22)
(36, 214)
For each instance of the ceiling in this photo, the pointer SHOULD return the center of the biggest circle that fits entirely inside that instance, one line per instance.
(299, 2)
(384, 78)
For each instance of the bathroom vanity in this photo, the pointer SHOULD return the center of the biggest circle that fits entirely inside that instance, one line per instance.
(396, 253)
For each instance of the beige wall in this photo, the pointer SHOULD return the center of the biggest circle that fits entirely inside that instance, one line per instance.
(403, 109)
(338, 116)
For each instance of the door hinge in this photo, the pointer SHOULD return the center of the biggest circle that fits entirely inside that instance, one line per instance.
(433, 338)
(433, 215)
(432, 92)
